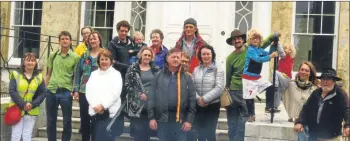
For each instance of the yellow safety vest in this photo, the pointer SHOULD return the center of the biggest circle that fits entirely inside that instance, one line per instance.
(23, 86)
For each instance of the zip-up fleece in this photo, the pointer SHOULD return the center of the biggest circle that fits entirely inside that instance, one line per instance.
(324, 116)
(208, 83)
(254, 61)
(158, 98)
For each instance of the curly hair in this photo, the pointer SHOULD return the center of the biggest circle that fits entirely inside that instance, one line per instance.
(123, 23)
(253, 33)
(292, 48)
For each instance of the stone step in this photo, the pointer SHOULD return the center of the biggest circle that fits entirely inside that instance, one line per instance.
(77, 137)
(222, 113)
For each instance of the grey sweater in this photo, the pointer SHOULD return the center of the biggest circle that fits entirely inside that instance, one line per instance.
(208, 84)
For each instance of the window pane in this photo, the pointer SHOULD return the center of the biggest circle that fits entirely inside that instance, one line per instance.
(301, 7)
(303, 46)
(38, 5)
(89, 5)
(101, 5)
(37, 17)
(28, 17)
(110, 5)
(88, 18)
(300, 23)
(328, 7)
(317, 49)
(314, 24)
(19, 5)
(106, 35)
(138, 16)
(243, 23)
(28, 4)
(100, 19)
(26, 42)
(110, 17)
(328, 24)
(18, 17)
(315, 7)
(322, 52)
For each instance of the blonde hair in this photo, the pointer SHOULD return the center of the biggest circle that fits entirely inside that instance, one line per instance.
(292, 48)
(139, 34)
(253, 33)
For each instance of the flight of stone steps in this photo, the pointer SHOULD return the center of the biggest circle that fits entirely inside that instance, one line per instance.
(221, 132)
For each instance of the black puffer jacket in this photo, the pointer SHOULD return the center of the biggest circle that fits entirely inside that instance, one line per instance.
(158, 98)
(324, 117)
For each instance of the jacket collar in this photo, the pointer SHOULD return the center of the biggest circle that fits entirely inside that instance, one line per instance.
(330, 94)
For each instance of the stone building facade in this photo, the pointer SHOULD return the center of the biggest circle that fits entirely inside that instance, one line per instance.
(289, 18)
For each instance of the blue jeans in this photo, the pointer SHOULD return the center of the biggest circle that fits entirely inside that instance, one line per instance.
(63, 98)
(237, 116)
(303, 135)
(171, 130)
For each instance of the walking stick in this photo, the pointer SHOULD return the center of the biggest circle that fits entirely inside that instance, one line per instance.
(273, 48)
(115, 117)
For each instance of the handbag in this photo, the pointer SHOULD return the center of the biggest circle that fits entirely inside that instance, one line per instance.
(225, 98)
(13, 113)
(134, 104)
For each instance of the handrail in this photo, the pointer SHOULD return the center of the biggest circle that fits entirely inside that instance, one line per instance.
(47, 49)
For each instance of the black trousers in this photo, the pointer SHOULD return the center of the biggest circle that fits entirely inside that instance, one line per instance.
(250, 106)
(206, 121)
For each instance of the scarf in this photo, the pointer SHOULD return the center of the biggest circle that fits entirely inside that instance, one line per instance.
(303, 84)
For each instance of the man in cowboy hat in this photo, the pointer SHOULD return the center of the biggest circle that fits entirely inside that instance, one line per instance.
(325, 110)
(237, 113)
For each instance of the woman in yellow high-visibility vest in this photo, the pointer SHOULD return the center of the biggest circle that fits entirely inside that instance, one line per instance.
(28, 91)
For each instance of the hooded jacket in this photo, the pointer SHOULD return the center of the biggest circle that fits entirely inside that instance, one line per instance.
(194, 61)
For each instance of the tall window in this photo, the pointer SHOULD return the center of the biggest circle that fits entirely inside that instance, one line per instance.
(99, 15)
(27, 26)
(314, 33)
(138, 16)
(243, 15)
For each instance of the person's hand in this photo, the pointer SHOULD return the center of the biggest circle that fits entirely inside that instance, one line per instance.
(273, 54)
(153, 124)
(298, 127)
(28, 107)
(130, 51)
(186, 126)
(347, 131)
(201, 102)
(76, 96)
(143, 97)
(99, 108)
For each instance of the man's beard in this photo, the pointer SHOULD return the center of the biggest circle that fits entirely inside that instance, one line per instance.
(327, 89)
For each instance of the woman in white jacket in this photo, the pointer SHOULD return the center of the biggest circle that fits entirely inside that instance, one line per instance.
(103, 91)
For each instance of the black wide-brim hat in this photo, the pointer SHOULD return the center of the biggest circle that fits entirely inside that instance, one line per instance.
(236, 33)
(329, 73)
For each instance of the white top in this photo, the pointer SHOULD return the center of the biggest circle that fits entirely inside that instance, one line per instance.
(104, 87)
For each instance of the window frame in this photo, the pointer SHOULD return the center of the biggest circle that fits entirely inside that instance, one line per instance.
(16, 61)
(335, 35)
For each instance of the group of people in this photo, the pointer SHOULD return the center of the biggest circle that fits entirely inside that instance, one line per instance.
(172, 94)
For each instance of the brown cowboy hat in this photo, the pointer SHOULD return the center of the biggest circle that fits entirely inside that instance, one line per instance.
(236, 33)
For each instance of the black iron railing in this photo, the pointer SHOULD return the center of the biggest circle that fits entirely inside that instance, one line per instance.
(19, 42)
